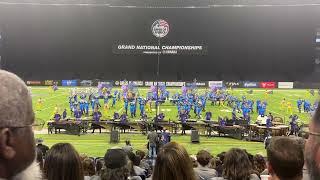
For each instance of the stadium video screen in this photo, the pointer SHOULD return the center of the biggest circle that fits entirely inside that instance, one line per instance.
(125, 42)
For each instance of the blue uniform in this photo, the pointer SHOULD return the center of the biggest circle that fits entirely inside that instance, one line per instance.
(77, 114)
(81, 105)
(123, 119)
(208, 116)
(299, 104)
(222, 122)
(294, 125)
(57, 117)
(258, 104)
(234, 115)
(64, 114)
(268, 123)
(132, 109)
(166, 137)
(306, 106)
(183, 119)
(86, 107)
(142, 104)
(126, 103)
(198, 109)
(96, 116)
(114, 99)
(93, 103)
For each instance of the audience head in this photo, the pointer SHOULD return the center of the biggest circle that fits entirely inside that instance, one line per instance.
(194, 162)
(136, 161)
(39, 158)
(212, 163)
(117, 165)
(63, 162)
(312, 148)
(285, 158)
(132, 158)
(236, 165)
(259, 163)
(221, 156)
(140, 153)
(173, 162)
(88, 167)
(128, 143)
(17, 145)
(99, 165)
(203, 157)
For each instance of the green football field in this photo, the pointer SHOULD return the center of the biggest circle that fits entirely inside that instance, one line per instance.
(96, 144)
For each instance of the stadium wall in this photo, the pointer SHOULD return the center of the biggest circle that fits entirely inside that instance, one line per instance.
(200, 84)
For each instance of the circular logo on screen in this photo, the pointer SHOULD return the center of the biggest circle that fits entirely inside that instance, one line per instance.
(160, 28)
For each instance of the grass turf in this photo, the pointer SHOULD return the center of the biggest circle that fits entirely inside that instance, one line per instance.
(60, 99)
(96, 144)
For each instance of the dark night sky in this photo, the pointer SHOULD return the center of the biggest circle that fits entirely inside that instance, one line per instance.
(63, 42)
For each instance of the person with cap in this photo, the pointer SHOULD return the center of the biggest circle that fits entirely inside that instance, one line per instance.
(117, 165)
(17, 144)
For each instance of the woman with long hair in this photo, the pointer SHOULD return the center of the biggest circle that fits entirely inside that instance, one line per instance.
(173, 163)
(237, 166)
(62, 162)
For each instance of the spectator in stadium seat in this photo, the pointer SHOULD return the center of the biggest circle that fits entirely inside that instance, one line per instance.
(203, 171)
(173, 162)
(213, 164)
(117, 165)
(259, 163)
(135, 160)
(63, 162)
(144, 162)
(237, 166)
(17, 144)
(137, 169)
(219, 163)
(194, 162)
(89, 171)
(39, 158)
(285, 158)
(99, 165)
(251, 159)
(41, 146)
(312, 147)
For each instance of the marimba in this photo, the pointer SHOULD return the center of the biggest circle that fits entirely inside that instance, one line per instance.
(71, 126)
(260, 132)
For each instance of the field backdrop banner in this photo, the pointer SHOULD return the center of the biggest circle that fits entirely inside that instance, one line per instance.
(48, 82)
(250, 84)
(69, 82)
(233, 84)
(33, 83)
(198, 83)
(175, 84)
(86, 83)
(268, 85)
(306, 85)
(217, 84)
(285, 85)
